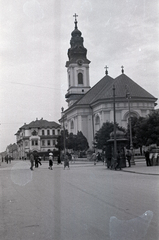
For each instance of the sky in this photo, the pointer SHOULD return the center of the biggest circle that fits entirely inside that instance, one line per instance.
(34, 40)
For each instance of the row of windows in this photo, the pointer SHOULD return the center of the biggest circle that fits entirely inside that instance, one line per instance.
(48, 142)
(43, 143)
(50, 132)
(34, 142)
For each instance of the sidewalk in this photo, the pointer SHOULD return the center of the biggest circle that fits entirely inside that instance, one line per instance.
(141, 168)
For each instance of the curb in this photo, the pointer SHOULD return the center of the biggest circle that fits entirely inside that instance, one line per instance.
(155, 174)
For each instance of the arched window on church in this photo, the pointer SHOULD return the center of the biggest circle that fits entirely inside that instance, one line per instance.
(133, 114)
(80, 78)
(72, 124)
(97, 123)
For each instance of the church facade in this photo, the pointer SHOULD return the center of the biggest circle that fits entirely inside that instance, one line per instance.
(88, 108)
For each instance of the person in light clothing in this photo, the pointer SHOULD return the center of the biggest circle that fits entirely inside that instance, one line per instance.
(50, 161)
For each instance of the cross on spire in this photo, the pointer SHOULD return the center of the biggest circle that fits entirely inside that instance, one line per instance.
(106, 72)
(75, 16)
(122, 69)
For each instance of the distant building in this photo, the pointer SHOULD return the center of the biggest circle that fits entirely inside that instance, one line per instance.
(12, 151)
(40, 135)
(88, 108)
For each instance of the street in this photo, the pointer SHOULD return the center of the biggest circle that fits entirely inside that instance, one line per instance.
(73, 204)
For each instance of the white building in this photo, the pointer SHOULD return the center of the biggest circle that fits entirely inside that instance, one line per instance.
(40, 135)
(89, 108)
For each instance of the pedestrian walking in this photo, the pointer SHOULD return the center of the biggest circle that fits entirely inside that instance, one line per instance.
(94, 158)
(9, 159)
(118, 163)
(59, 159)
(99, 158)
(69, 157)
(73, 158)
(6, 159)
(108, 156)
(128, 157)
(66, 161)
(39, 161)
(50, 161)
(31, 161)
(36, 161)
(147, 157)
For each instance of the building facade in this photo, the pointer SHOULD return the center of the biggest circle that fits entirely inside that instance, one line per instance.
(88, 108)
(40, 135)
(12, 151)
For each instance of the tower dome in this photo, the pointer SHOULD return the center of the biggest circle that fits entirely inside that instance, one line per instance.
(77, 50)
(76, 33)
(77, 67)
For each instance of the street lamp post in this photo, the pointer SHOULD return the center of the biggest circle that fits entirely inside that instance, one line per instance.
(128, 96)
(115, 144)
(64, 144)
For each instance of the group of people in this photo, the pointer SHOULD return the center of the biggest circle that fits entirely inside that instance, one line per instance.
(117, 164)
(35, 158)
(7, 159)
(97, 157)
(66, 158)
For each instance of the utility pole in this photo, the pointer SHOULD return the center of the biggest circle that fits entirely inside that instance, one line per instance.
(64, 144)
(115, 143)
(128, 96)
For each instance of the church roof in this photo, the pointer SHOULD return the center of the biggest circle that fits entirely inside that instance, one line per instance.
(95, 92)
(104, 90)
(123, 83)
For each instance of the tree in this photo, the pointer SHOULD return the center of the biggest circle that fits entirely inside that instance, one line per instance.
(82, 143)
(60, 140)
(136, 129)
(103, 135)
(76, 142)
(72, 141)
(145, 131)
(152, 132)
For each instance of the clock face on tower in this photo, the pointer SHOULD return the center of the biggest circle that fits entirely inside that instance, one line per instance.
(79, 62)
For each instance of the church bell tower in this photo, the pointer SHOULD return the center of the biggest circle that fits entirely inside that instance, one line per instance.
(77, 67)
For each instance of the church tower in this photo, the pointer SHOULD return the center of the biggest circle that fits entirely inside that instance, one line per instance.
(77, 67)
